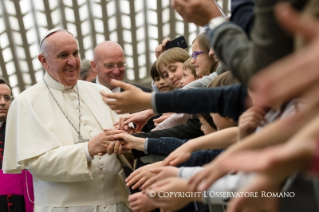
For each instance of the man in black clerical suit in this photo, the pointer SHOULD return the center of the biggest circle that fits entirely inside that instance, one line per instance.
(12, 187)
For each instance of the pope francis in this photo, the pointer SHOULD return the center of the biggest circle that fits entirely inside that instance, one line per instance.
(56, 129)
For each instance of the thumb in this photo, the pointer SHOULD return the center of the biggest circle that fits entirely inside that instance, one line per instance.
(156, 170)
(117, 83)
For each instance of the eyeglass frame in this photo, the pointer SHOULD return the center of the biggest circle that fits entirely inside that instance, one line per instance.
(113, 67)
(195, 54)
(6, 100)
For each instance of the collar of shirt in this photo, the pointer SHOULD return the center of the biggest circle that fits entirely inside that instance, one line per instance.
(115, 90)
(52, 83)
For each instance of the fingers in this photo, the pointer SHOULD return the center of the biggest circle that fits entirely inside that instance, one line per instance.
(169, 161)
(112, 131)
(116, 146)
(110, 148)
(294, 22)
(205, 178)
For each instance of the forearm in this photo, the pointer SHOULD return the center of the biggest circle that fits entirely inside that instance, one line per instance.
(63, 164)
(245, 57)
(276, 133)
(228, 101)
(164, 146)
(217, 140)
(200, 158)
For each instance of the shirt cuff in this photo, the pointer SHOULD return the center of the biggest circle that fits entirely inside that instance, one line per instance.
(154, 102)
(88, 156)
(145, 145)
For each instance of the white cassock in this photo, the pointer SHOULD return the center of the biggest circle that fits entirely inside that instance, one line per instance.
(40, 139)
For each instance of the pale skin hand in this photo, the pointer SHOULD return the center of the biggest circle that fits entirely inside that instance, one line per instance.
(162, 118)
(161, 48)
(140, 202)
(217, 140)
(161, 173)
(171, 184)
(199, 12)
(179, 155)
(141, 175)
(261, 182)
(274, 165)
(102, 142)
(131, 100)
(276, 133)
(139, 118)
(297, 74)
(131, 142)
(250, 120)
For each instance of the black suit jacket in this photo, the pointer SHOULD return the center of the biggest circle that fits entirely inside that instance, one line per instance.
(2, 138)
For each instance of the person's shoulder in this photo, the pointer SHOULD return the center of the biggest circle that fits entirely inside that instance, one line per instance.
(94, 86)
(145, 89)
(31, 92)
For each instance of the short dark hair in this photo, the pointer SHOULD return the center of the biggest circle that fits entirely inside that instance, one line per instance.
(208, 119)
(3, 81)
(154, 73)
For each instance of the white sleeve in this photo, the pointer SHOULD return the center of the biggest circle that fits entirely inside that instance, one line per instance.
(62, 164)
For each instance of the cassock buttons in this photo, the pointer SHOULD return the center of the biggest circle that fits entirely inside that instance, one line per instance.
(101, 167)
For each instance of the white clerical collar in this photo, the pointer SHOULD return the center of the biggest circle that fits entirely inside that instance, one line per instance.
(115, 90)
(52, 83)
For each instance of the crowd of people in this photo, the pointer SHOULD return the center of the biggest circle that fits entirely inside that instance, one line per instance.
(231, 127)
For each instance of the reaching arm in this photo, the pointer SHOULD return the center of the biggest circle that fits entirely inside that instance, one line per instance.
(218, 140)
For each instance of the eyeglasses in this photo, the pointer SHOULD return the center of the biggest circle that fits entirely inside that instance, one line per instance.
(111, 66)
(194, 54)
(6, 98)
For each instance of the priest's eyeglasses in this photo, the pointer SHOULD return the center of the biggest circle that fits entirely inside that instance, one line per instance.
(111, 66)
(6, 98)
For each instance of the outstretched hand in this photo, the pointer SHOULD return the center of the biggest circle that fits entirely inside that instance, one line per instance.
(161, 173)
(198, 12)
(297, 74)
(129, 101)
(179, 155)
(141, 175)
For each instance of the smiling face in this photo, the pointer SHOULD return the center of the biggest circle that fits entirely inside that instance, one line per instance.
(188, 77)
(161, 84)
(203, 61)
(172, 74)
(106, 54)
(60, 57)
(5, 94)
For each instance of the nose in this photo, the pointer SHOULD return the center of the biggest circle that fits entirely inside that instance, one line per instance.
(116, 70)
(171, 76)
(192, 61)
(202, 128)
(2, 101)
(71, 61)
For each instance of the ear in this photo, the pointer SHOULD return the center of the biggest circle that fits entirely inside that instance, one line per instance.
(93, 65)
(211, 52)
(43, 61)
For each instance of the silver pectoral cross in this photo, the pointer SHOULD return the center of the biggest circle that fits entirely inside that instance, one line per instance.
(82, 140)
